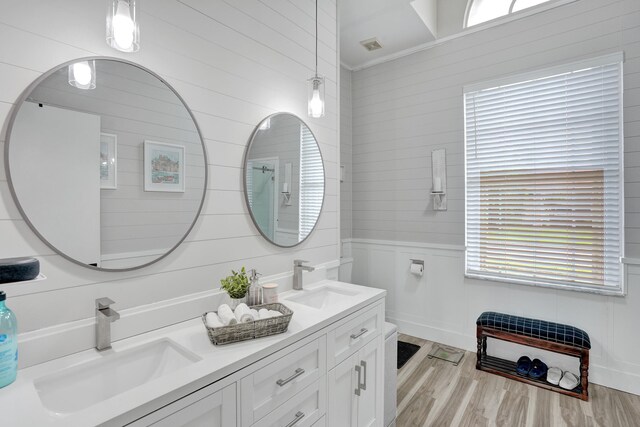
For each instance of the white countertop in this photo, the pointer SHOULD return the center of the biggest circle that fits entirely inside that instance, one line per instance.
(20, 404)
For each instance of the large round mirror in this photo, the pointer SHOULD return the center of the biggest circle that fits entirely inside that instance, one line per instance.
(284, 179)
(106, 163)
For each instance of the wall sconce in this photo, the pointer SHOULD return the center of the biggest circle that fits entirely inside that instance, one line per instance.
(439, 176)
(83, 75)
(286, 185)
(123, 32)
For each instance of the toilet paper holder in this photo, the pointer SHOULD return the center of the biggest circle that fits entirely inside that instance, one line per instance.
(420, 264)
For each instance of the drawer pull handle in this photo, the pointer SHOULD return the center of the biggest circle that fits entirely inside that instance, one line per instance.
(359, 334)
(299, 416)
(295, 375)
(359, 371)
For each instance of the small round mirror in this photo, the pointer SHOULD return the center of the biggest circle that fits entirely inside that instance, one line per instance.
(284, 179)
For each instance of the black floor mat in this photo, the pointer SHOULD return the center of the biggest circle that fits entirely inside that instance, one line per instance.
(405, 352)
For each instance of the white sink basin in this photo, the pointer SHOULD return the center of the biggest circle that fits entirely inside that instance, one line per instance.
(87, 384)
(323, 297)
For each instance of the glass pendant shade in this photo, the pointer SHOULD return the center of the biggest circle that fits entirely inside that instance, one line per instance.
(316, 97)
(83, 75)
(123, 32)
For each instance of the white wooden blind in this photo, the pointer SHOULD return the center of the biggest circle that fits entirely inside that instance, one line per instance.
(544, 183)
(311, 182)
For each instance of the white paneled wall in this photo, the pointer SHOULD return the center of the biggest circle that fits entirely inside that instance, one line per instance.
(404, 109)
(233, 63)
(346, 146)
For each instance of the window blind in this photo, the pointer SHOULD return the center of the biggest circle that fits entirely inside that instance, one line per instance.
(311, 182)
(544, 182)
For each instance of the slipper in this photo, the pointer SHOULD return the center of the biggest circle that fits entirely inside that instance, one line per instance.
(554, 375)
(569, 381)
(538, 369)
(523, 365)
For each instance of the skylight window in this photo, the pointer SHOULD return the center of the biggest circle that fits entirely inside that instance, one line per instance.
(485, 10)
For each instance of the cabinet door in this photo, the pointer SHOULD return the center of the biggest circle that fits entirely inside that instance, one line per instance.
(342, 383)
(371, 402)
(216, 410)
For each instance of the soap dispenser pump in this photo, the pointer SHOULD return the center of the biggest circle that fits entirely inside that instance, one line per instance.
(8, 343)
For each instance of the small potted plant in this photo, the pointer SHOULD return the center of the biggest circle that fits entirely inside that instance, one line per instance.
(236, 285)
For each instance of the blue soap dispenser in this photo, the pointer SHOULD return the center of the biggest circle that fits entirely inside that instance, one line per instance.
(8, 344)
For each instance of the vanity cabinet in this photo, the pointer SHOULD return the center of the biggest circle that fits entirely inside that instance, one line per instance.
(333, 377)
(355, 388)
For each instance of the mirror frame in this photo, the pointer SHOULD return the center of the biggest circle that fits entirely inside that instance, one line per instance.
(11, 120)
(244, 177)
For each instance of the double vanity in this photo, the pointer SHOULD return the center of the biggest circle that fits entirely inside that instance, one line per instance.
(326, 370)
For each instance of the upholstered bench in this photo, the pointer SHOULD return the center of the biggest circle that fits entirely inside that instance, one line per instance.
(556, 337)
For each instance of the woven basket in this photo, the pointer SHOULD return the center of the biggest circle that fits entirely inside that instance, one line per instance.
(251, 330)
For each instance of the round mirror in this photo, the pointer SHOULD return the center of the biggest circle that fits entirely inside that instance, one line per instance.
(106, 163)
(284, 179)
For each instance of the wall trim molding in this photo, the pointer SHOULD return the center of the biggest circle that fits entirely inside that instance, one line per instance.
(64, 339)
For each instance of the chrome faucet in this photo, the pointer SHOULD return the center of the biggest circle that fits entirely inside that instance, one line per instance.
(298, 268)
(104, 317)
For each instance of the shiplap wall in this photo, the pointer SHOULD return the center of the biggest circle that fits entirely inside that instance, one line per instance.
(346, 147)
(406, 108)
(234, 63)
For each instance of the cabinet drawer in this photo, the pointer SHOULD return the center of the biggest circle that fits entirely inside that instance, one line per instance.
(272, 385)
(353, 333)
(303, 410)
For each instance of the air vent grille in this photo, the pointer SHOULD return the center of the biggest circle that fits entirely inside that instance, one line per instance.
(371, 44)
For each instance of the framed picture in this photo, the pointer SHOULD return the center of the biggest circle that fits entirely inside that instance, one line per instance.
(108, 161)
(163, 167)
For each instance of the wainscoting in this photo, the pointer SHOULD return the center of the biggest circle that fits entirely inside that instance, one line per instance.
(443, 305)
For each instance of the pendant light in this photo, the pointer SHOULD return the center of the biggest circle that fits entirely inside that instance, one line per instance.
(123, 32)
(83, 75)
(316, 85)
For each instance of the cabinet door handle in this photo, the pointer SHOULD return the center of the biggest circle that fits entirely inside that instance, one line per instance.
(364, 368)
(359, 371)
(299, 416)
(359, 334)
(295, 375)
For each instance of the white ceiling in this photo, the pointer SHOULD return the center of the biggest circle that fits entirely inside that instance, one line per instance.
(395, 23)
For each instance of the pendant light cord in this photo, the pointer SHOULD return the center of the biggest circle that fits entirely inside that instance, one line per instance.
(316, 38)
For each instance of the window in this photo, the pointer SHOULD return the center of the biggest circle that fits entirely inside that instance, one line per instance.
(311, 182)
(480, 11)
(544, 180)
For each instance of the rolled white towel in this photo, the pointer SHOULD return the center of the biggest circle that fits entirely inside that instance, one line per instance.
(264, 313)
(226, 315)
(273, 313)
(243, 314)
(213, 321)
(255, 314)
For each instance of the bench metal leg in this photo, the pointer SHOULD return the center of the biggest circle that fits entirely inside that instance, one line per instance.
(482, 346)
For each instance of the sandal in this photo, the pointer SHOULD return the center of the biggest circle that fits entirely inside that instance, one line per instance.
(538, 369)
(554, 375)
(569, 381)
(523, 366)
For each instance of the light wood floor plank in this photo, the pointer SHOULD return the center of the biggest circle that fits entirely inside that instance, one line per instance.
(432, 392)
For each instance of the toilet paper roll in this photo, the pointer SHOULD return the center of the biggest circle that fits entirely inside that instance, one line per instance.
(417, 269)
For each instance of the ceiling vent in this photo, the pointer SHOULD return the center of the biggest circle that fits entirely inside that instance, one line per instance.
(371, 44)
